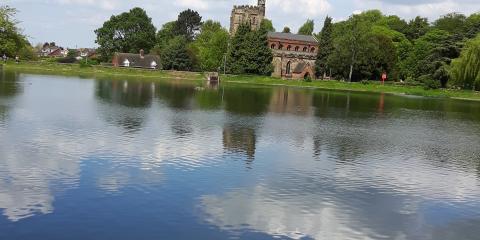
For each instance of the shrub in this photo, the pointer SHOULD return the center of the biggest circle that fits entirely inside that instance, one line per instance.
(67, 60)
(429, 83)
(365, 82)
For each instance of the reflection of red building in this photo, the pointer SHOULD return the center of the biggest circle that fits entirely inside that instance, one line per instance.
(293, 55)
(293, 101)
(241, 140)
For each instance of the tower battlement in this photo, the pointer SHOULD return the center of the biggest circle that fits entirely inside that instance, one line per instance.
(252, 15)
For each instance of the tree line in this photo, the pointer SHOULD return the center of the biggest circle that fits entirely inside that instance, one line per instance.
(438, 54)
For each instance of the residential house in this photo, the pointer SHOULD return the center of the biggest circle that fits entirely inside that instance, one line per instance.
(142, 60)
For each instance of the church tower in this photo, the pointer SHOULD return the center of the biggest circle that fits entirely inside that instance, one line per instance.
(252, 15)
(261, 5)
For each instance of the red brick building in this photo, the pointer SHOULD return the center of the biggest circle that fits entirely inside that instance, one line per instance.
(293, 55)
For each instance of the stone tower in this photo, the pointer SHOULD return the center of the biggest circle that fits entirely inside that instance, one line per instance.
(261, 5)
(252, 15)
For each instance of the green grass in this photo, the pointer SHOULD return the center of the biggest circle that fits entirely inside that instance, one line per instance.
(99, 71)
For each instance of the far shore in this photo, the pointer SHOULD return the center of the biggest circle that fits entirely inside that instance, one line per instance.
(375, 87)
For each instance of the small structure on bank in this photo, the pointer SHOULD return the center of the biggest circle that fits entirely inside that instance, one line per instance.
(141, 60)
(294, 55)
(252, 15)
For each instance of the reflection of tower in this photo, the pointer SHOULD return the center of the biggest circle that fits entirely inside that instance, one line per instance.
(240, 140)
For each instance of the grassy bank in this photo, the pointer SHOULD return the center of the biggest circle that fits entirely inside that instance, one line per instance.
(76, 70)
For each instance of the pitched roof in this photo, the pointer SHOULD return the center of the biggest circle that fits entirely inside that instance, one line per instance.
(294, 37)
(137, 61)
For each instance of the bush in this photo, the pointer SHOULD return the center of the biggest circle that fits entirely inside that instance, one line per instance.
(307, 79)
(477, 85)
(429, 83)
(67, 60)
(365, 82)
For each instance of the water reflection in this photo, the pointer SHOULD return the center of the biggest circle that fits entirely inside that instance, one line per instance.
(106, 156)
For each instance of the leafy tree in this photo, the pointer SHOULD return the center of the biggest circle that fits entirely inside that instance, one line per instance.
(12, 41)
(211, 45)
(176, 55)
(128, 32)
(188, 24)
(249, 52)
(417, 27)
(465, 70)
(72, 53)
(472, 25)
(307, 28)
(268, 25)
(326, 43)
(164, 35)
(453, 23)
(286, 30)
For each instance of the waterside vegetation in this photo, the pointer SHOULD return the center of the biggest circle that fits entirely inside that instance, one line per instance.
(124, 73)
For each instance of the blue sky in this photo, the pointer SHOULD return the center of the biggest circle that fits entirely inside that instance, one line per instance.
(71, 23)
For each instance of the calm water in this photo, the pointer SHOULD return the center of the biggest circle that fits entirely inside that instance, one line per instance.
(130, 159)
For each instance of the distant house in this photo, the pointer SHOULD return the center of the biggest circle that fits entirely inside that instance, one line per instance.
(86, 53)
(50, 50)
(130, 60)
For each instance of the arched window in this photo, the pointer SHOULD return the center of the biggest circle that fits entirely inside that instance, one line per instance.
(312, 50)
(289, 48)
(304, 49)
(272, 46)
(280, 47)
(296, 48)
(287, 70)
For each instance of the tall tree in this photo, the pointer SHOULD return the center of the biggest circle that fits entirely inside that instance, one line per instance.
(453, 23)
(465, 70)
(12, 41)
(417, 27)
(326, 48)
(176, 55)
(307, 28)
(286, 30)
(188, 24)
(268, 25)
(211, 45)
(128, 32)
(249, 52)
(165, 34)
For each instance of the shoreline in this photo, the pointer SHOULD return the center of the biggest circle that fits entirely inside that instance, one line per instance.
(372, 87)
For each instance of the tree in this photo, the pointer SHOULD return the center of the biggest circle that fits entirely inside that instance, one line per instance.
(453, 23)
(268, 25)
(72, 53)
(211, 45)
(12, 41)
(307, 28)
(188, 24)
(176, 55)
(249, 52)
(417, 27)
(286, 30)
(164, 35)
(465, 70)
(472, 25)
(128, 32)
(326, 43)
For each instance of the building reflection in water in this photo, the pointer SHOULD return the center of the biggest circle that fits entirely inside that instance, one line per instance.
(292, 101)
(240, 140)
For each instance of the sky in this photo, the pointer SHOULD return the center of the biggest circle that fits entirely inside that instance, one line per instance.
(71, 23)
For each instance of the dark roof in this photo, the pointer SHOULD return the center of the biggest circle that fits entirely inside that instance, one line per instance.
(290, 36)
(137, 61)
(300, 67)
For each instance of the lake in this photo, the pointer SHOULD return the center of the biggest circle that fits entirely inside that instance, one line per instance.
(105, 158)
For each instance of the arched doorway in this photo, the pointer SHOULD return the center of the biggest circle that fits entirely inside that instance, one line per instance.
(288, 68)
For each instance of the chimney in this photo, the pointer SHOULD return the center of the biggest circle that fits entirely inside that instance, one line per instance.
(142, 53)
